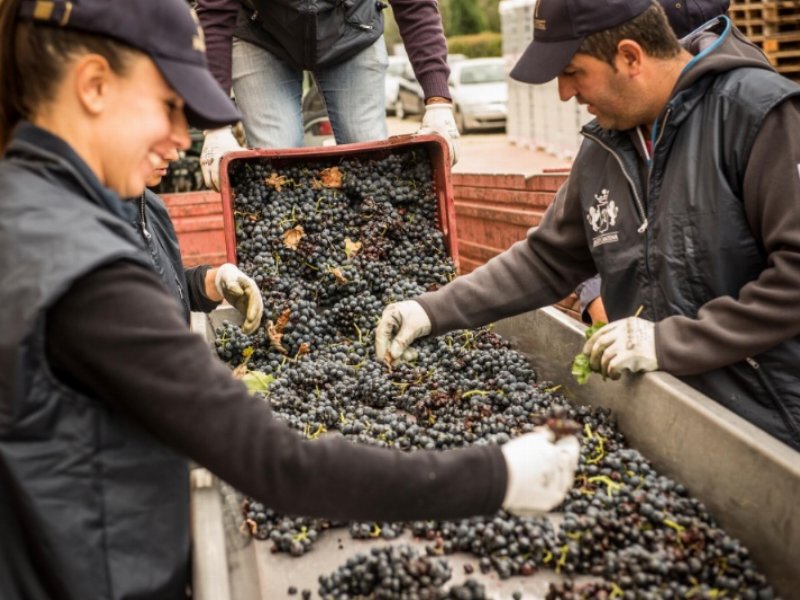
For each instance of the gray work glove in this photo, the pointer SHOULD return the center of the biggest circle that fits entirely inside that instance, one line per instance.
(400, 324)
(625, 344)
(217, 143)
(242, 293)
(540, 471)
(438, 118)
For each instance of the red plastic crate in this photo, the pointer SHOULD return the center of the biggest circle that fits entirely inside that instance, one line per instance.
(197, 217)
(435, 146)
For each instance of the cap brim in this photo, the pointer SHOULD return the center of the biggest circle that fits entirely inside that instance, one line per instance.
(543, 61)
(207, 105)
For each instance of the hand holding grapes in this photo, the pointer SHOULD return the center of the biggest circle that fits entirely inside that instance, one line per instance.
(240, 291)
(400, 324)
(625, 344)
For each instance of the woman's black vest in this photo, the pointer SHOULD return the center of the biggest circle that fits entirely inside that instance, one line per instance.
(158, 233)
(91, 506)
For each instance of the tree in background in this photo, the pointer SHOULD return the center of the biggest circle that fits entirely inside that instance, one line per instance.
(458, 16)
(463, 17)
(491, 10)
(391, 34)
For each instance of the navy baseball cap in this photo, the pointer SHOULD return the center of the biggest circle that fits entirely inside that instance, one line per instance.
(687, 15)
(166, 30)
(559, 27)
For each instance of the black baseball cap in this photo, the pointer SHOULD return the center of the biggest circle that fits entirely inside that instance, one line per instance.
(559, 27)
(687, 15)
(166, 30)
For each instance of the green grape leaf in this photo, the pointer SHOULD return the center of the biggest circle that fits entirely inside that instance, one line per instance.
(581, 369)
(594, 328)
(256, 381)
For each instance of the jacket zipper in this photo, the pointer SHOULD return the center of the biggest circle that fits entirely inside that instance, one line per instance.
(148, 236)
(787, 418)
(655, 145)
(180, 287)
(643, 227)
(143, 218)
(650, 163)
(310, 44)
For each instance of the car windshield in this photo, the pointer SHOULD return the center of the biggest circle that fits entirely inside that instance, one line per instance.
(488, 73)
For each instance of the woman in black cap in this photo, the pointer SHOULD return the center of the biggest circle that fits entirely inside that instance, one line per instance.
(103, 391)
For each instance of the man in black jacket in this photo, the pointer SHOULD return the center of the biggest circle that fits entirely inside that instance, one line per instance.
(684, 17)
(683, 197)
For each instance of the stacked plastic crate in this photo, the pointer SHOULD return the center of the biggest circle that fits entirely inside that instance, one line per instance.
(536, 116)
(516, 21)
(775, 26)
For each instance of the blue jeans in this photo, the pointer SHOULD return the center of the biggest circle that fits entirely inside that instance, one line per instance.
(269, 92)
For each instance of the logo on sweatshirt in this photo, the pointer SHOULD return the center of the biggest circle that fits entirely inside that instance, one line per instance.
(602, 217)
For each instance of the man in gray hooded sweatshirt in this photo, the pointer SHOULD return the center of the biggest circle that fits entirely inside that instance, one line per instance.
(684, 197)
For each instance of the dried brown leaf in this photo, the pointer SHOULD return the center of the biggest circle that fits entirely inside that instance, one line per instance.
(331, 177)
(292, 237)
(240, 371)
(275, 181)
(283, 320)
(275, 336)
(251, 526)
(304, 349)
(337, 273)
(351, 248)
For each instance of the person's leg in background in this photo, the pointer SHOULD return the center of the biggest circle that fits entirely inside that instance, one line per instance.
(269, 93)
(354, 93)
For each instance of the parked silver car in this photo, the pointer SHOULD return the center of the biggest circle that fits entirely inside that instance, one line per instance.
(410, 99)
(480, 93)
(317, 130)
(394, 72)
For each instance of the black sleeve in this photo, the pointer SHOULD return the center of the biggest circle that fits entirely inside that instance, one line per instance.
(119, 336)
(196, 283)
(588, 292)
(218, 19)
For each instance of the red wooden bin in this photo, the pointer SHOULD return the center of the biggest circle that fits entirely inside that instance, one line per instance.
(434, 145)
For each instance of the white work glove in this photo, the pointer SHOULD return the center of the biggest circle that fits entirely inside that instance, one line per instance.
(242, 293)
(439, 119)
(400, 324)
(540, 472)
(625, 344)
(217, 143)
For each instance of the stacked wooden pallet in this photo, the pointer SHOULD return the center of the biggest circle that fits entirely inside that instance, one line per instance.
(775, 26)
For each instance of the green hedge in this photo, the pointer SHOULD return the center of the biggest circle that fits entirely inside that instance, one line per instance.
(478, 45)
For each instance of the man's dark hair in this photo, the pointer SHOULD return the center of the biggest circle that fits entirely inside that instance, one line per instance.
(651, 30)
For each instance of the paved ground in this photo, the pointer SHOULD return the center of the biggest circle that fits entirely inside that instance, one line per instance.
(489, 152)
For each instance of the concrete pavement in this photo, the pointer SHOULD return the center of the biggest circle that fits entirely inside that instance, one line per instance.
(489, 152)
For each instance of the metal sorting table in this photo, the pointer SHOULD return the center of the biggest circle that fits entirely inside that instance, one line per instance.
(749, 481)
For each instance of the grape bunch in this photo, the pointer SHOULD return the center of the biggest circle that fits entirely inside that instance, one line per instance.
(396, 573)
(330, 242)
